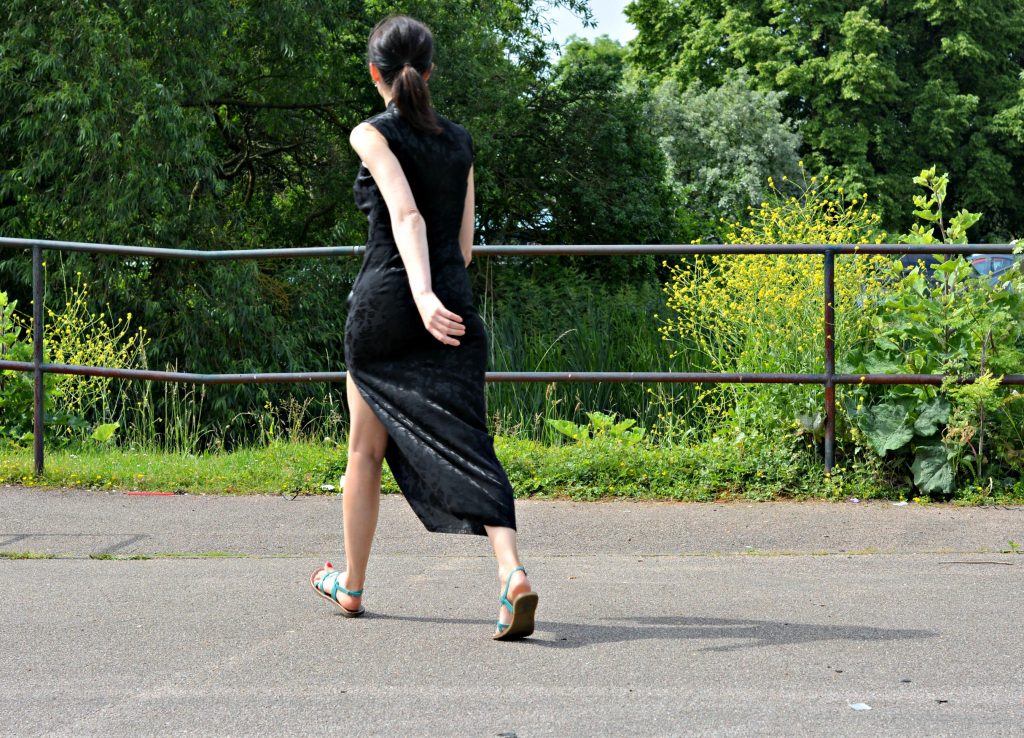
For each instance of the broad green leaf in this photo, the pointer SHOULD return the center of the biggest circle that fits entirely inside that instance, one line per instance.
(875, 363)
(965, 219)
(887, 427)
(621, 428)
(932, 470)
(933, 414)
(568, 428)
(601, 421)
(105, 432)
(813, 425)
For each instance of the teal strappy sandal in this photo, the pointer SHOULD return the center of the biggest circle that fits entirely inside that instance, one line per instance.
(523, 608)
(334, 585)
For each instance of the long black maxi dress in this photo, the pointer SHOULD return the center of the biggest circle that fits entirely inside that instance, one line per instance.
(428, 395)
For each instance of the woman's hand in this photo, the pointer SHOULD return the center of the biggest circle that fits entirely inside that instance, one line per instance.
(441, 322)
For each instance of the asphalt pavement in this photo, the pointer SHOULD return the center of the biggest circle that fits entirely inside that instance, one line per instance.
(192, 615)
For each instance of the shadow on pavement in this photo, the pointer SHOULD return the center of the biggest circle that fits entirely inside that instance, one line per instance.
(123, 540)
(747, 633)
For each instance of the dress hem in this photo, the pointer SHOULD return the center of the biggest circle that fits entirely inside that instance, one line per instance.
(469, 527)
(468, 530)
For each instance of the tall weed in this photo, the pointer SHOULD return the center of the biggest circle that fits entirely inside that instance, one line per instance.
(940, 318)
(578, 324)
(16, 388)
(74, 334)
(764, 313)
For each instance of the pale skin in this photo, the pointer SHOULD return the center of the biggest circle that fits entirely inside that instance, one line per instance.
(367, 435)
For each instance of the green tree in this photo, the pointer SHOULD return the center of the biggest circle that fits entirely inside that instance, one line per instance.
(194, 124)
(878, 87)
(722, 145)
(607, 183)
(582, 167)
(224, 124)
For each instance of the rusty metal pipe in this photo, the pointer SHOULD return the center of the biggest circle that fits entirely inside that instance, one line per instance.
(187, 254)
(747, 249)
(511, 250)
(39, 398)
(830, 360)
(537, 377)
(1010, 380)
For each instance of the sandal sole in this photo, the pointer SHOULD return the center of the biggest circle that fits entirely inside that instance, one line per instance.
(524, 608)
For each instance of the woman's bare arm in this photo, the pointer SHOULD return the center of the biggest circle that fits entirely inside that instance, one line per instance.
(409, 229)
(468, 221)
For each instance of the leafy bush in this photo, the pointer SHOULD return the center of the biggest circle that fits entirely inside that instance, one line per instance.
(16, 393)
(757, 313)
(76, 335)
(940, 319)
(602, 428)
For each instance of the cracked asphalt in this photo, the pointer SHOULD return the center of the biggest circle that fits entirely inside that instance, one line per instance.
(192, 615)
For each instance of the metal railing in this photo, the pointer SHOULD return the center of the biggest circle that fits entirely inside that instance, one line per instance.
(829, 379)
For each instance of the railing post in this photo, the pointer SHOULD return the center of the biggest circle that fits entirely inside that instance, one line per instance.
(37, 355)
(830, 359)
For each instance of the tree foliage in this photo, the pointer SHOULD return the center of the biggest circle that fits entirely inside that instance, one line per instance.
(607, 184)
(224, 124)
(601, 176)
(878, 87)
(722, 145)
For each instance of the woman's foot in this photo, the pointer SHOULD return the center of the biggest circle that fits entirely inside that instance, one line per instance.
(517, 584)
(349, 601)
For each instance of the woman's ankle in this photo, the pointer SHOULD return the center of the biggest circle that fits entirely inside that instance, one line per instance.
(505, 569)
(347, 580)
(513, 577)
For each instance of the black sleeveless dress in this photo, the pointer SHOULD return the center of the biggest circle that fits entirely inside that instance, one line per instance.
(429, 396)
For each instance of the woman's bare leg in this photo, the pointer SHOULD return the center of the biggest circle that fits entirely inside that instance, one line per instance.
(367, 441)
(503, 540)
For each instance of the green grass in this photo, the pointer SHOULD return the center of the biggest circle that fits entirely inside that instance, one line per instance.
(23, 555)
(277, 468)
(578, 325)
(706, 472)
(715, 470)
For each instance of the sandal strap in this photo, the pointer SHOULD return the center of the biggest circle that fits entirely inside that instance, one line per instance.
(323, 580)
(350, 593)
(336, 585)
(508, 583)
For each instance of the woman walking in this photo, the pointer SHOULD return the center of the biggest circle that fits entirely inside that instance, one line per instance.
(415, 346)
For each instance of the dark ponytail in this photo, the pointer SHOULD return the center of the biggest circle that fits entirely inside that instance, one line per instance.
(402, 48)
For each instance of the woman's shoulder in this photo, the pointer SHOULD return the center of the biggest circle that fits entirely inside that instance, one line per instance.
(389, 124)
(451, 125)
(377, 127)
(383, 121)
(457, 131)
